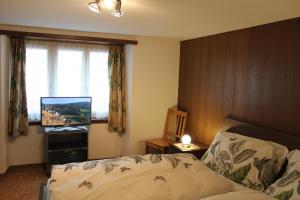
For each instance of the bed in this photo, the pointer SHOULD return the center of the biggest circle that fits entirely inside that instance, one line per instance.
(159, 176)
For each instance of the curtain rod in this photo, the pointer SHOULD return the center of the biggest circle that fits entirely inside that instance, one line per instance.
(67, 38)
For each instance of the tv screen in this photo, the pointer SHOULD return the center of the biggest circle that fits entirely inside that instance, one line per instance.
(65, 111)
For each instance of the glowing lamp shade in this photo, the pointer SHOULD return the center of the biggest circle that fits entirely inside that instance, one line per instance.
(108, 4)
(186, 140)
(94, 6)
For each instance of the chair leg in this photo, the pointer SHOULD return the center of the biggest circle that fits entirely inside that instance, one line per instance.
(147, 149)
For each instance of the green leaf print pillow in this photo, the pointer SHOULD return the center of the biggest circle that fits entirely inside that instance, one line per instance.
(288, 186)
(248, 161)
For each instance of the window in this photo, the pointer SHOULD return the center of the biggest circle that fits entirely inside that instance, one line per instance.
(66, 70)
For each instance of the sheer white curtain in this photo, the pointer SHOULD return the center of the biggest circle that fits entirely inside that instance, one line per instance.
(66, 70)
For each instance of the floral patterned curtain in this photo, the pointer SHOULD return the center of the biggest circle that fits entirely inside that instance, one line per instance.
(18, 116)
(117, 97)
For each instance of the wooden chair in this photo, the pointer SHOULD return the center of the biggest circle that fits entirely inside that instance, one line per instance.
(174, 129)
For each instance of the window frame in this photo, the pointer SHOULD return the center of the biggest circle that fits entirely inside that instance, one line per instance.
(94, 121)
(35, 122)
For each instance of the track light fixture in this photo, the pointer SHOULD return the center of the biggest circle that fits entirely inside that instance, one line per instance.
(118, 12)
(96, 6)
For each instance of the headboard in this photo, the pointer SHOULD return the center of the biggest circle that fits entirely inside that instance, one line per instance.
(246, 129)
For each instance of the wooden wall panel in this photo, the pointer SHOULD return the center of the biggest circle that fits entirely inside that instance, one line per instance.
(253, 74)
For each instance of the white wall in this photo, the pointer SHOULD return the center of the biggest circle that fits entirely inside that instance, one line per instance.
(153, 88)
(152, 84)
(4, 50)
(126, 139)
(27, 149)
(103, 144)
(30, 149)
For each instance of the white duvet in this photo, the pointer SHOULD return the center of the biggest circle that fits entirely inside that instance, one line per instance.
(149, 177)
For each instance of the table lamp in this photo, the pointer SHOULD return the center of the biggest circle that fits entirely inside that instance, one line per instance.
(186, 141)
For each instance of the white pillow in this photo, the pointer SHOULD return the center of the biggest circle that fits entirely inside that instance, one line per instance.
(251, 162)
(288, 186)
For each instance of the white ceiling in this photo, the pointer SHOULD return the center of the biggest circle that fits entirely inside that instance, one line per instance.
(183, 19)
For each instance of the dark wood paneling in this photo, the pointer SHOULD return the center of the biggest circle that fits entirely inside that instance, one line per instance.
(233, 125)
(253, 74)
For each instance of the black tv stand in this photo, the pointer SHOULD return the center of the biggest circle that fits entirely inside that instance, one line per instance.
(65, 145)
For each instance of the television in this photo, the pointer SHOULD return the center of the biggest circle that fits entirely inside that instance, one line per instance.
(65, 111)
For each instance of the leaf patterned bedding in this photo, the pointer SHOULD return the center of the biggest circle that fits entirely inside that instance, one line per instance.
(288, 186)
(248, 161)
(241, 195)
(148, 177)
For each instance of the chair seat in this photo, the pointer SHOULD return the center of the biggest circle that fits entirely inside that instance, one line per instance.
(174, 129)
(159, 142)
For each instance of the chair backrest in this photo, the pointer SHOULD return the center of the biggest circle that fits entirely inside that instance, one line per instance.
(175, 124)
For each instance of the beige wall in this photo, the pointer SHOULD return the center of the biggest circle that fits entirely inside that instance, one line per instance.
(30, 149)
(4, 50)
(153, 87)
(27, 149)
(126, 139)
(103, 144)
(152, 71)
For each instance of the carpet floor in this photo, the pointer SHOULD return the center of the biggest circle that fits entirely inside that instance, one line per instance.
(22, 182)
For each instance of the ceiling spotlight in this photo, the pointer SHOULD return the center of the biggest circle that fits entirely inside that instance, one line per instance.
(94, 6)
(97, 5)
(118, 12)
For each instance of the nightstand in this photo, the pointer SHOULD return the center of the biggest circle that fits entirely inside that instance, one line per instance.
(197, 153)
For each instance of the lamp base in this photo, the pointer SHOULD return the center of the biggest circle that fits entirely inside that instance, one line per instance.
(186, 145)
(181, 147)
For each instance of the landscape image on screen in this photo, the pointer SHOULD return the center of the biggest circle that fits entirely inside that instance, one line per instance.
(66, 111)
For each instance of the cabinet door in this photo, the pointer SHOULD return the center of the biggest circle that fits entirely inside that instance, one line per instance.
(67, 156)
(172, 150)
(153, 150)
